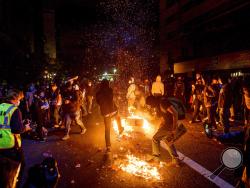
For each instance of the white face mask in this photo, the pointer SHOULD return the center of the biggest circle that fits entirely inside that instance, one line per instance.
(17, 104)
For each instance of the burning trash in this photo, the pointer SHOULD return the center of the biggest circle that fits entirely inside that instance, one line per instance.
(134, 123)
(140, 168)
(127, 129)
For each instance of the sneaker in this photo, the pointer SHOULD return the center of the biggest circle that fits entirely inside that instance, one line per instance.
(174, 163)
(153, 159)
(83, 131)
(66, 137)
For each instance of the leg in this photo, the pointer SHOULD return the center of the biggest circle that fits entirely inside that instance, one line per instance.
(171, 150)
(107, 122)
(209, 114)
(159, 135)
(90, 100)
(213, 116)
(79, 121)
(225, 119)
(196, 110)
(84, 109)
(56, 115)
(68, 121)
(119, 123)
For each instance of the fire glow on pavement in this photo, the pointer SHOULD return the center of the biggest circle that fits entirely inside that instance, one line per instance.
(140, 168)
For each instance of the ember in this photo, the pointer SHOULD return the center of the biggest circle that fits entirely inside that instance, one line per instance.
(140, 168)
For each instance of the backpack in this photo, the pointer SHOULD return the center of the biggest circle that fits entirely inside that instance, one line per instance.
(179, 107)
(154, 102)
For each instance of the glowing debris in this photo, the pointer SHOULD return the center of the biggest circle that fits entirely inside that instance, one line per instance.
(140, 168)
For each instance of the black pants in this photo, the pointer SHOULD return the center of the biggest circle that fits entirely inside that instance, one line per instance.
(211, 114)
(54, 114)
(108, 124)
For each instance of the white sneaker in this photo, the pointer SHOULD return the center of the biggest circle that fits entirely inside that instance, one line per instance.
(66, 137)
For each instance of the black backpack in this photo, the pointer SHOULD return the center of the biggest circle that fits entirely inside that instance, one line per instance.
(179, 107)
(154, 102)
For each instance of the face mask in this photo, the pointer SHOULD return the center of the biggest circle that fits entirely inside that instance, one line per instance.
(17, 104)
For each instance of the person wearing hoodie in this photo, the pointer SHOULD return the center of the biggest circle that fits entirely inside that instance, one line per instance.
(157, 87)
(104, 98)
(131, 96)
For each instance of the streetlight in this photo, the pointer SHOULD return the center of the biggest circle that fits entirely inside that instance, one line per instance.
(115, 70)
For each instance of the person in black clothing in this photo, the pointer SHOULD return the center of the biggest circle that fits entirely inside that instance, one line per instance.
(104, 98)
(224, 103)
(198, 100)
(41, 114)
(166, 132)
(211, 102)
(55, 104)
(89, 96)
(179, 90)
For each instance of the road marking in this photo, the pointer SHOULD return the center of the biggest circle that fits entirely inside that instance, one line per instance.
(201, 170)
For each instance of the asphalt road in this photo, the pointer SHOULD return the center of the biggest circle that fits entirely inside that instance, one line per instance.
(81, 159)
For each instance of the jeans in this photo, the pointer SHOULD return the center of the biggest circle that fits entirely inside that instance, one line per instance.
(69, 119)
(89, 103)
(163, 134)
(108, 123)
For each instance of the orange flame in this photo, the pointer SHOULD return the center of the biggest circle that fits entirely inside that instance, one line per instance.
(140, 168)
(127, 129)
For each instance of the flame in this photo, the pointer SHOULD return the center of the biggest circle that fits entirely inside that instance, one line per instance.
(147, 127)
(127, 128)
(140, 168)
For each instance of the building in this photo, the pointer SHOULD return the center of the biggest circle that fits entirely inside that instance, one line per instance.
(204, 35)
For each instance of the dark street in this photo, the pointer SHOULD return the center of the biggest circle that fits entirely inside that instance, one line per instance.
(81, 159)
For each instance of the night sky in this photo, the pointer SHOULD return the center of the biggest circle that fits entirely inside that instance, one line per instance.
(90, 35)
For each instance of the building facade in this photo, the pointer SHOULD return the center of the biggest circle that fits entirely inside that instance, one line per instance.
(201, 35)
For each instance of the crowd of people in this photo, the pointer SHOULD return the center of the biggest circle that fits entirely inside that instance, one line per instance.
(57, 105)
(220, 100)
